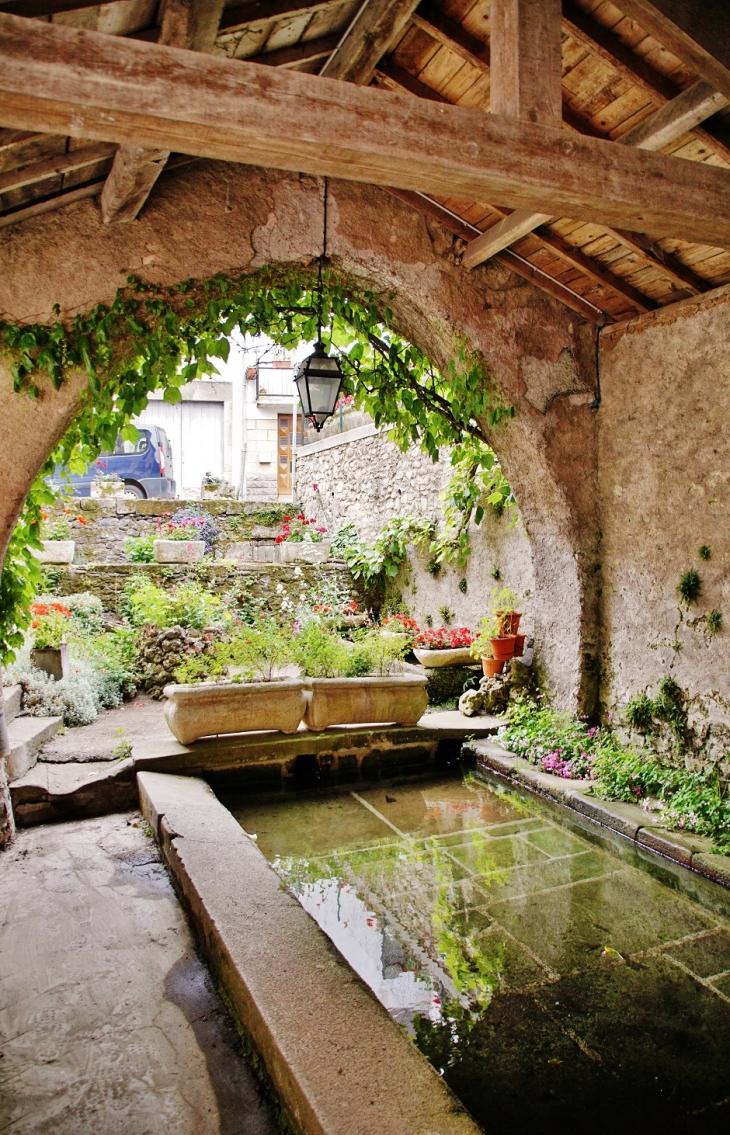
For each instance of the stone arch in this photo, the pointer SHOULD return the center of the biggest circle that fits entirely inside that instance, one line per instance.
(213, 217)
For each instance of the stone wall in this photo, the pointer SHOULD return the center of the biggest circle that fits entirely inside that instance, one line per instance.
(100, 527)
(258, 581)
(364, 479)
(664, 477)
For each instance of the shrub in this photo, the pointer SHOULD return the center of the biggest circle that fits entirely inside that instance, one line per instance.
(689, 586)
(190, 605)
(190, 524)
(87, 613)
(553, 740)
(50, 624)
(139, 549)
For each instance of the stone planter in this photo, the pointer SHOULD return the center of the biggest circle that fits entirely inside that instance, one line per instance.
(53, 660)
(208, 709)
(107, 489)
(401, 698)
(458, 656)
(57, 552)
(178, 551)
(307, 551)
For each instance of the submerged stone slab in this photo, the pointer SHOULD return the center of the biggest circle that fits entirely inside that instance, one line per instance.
(338, 1062)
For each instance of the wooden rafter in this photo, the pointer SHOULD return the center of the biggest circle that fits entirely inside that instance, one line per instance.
(635, 70)
(696, 31)
(53, 167)
(376, 26)
(299, 53)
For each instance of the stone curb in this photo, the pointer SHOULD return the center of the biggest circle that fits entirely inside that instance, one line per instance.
(628, 820)
(338, 1061)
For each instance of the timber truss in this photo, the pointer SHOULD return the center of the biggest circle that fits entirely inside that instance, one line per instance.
(585, 146)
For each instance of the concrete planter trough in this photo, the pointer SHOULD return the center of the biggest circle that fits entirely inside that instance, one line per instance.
(401, 698)
(178, 551)
(458, 656)
(53, 660)
(307, 551)
(56, 552)
(210, 709)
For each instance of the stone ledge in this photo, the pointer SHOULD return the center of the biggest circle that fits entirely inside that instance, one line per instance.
(338, 1061)
(628, 820)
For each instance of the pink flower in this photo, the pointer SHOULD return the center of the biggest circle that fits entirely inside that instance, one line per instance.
(315, 488)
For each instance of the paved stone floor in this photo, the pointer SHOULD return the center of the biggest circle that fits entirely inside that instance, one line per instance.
(141, 719)
(109, 1023)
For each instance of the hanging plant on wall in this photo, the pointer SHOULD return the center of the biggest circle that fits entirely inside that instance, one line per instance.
(153, 338)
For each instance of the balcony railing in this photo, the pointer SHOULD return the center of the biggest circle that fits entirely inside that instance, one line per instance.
(274, 382)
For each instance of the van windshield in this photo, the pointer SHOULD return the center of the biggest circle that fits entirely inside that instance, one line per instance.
(124, 448)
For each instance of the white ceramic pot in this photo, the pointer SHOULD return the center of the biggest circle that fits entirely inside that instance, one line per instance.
(401, 698)
(178, 551)
(307, 551)
(57, 552)
(459, 656)
(208, 709)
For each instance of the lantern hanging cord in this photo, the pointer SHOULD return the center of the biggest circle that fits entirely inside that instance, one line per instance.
(322, 258)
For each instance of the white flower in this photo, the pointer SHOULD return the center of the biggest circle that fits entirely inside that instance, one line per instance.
(298, 571)
(302, 597)
(280, 589)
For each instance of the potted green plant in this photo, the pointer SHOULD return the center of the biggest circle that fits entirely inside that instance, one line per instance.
(481, 647)
(58, 546)
(240, 686)
(302, 538)
(506, 622)
(357, 683)
(49, 651)
(211, 486)
(179, 540)
(444, 646)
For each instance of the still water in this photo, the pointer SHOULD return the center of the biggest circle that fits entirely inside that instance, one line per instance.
(554, 984)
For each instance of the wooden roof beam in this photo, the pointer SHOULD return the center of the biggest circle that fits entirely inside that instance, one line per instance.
(189, 24)
(70, 81)
(671, 121)
(54, 167)
(370, 35)
(447, 32)
(696, 31)
(525, 44)
(601, 42)
(298, 53)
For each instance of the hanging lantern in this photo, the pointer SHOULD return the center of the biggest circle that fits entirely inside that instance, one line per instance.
(318, 380)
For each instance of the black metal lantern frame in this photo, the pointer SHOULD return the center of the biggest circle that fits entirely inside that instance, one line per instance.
(319, 377)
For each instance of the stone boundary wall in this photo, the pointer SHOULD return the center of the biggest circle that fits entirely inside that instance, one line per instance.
(258, 581)
(364, 479)
(106, 524)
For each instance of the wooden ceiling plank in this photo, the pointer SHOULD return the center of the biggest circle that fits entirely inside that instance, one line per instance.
(696, 31)
(453, 223)
(370, 36)
(668, 122)
(254, 13)
(66, 80)
(452, 35)
(50, 205)
(189, 24)
(53, 167)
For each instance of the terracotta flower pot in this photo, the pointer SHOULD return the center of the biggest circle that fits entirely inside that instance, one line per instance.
(515, 622)
(492, 667)
(519, 645)
(504, 647)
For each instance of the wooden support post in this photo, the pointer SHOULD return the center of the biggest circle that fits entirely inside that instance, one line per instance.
(376, 26)
(526, 66)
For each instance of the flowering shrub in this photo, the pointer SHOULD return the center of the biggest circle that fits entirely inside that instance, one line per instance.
(444, 638)
(401, 624)
(554, 741)
(189, 524)
(299, 528)
(49, 624)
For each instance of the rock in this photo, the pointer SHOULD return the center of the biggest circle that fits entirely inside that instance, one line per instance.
(471, 703)
(494, 694)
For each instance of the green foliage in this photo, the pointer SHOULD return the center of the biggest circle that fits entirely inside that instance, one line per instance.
(50, 630)
(151, 338)
(58, 528)
(140, 549)
(689, 586)
(434, 567)
(322, 654)
(21, 577)
(496, 573)
(669, 707)
(713, 620)
(554, 740)
(389, 551)
(190, 605)
(463, 586)
(123, 747)
(447, 615)
(705, 552)
(477, 483)
(87, 613)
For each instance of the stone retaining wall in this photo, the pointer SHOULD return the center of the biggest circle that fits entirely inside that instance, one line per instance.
(100, 527)
(258, 581)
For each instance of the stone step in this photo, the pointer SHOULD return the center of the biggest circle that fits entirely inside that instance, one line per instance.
(51, 793)
(27, 734)
(12, 696)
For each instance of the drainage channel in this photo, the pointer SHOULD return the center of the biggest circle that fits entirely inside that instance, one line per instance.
(554, 978)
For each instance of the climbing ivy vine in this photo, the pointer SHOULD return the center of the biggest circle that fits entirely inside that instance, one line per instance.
(152, 338)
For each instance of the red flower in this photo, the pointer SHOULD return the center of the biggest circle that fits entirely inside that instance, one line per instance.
(286, 519)
(279, 540)
(301, 516)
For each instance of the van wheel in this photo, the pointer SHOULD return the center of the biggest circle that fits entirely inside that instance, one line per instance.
(134, 491)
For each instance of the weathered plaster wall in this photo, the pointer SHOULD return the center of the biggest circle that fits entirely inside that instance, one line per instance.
(213, 217)
(366, 480)
(664, 461)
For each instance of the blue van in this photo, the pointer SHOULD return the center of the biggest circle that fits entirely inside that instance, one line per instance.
(145, 466)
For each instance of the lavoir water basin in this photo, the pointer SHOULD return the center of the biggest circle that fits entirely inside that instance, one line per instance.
(556, 981)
